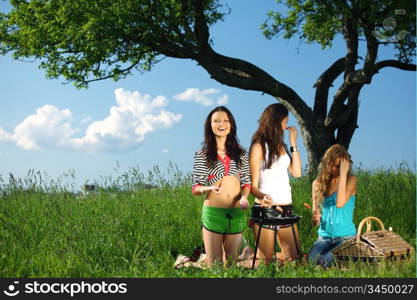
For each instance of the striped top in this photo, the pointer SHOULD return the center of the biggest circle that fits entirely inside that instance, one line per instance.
(208, 175)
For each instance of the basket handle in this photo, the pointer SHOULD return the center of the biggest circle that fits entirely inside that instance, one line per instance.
(368, 226)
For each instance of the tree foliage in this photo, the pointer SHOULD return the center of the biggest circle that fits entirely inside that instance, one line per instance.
(89, 40)
(320, 21)
(85, 39)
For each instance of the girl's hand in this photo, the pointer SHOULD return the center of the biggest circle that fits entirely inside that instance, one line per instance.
(244, 203)
(344, 166)
(211, 188)
(293, 135)
(279, 208)
(266, 201)
(214, 188)
(316, 218)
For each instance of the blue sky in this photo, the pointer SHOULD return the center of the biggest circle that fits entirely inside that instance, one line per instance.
(48, 126)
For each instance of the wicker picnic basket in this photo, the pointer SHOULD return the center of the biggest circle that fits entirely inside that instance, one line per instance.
(373, 246)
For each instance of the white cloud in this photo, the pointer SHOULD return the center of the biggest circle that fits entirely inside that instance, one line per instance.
(223, 100)
(49, 127)
(86, 119)
(4, 136)
(129, 121)
(165, 151)
(204, 97)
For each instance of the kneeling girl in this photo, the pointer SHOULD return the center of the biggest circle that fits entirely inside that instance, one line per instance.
(333, 199)
(221, 171)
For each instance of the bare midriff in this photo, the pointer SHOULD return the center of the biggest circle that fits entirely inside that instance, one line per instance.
(228, 195)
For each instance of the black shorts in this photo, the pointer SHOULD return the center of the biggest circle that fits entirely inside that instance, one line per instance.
(287, 210)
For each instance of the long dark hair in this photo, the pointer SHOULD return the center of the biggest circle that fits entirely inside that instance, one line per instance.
(233, 149)
(270, 132)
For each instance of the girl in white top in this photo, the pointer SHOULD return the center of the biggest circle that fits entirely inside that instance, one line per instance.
(274, 181)
(269, 164)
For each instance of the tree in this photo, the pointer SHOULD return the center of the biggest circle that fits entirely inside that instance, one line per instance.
(89, 40)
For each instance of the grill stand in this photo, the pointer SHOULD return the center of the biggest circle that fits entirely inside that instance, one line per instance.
(275, 242)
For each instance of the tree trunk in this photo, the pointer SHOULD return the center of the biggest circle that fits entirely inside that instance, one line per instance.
(317, 139)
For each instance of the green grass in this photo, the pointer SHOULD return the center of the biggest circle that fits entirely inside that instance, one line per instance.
(127, 231)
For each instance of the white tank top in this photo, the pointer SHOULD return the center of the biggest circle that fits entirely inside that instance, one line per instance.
(275, 181)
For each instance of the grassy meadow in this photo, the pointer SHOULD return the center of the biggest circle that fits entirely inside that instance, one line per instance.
(137, 224)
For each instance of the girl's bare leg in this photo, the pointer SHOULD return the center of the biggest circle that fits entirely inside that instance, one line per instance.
(213, 244)
(232, 244)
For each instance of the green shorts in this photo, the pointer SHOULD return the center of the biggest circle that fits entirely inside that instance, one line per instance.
(223, 220)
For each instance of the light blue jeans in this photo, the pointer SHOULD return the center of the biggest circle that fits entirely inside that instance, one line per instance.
(321, 253)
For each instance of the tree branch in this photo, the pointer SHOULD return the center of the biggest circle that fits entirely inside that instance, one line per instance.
(338, 106)
(394, 64)
(239, 73)
(349, 118)
(185, 8)
(358, 78)
(201, 29)
(174, 51)
(352, 104)
(339, 112)
(371, 51)
(351, 37)
(353, 78)
(323, 84)
(113, 74)
(244, 75)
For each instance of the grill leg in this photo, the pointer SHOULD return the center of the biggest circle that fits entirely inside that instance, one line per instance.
(274, 250)
(296, 242)
(256, 246)
(275, 243)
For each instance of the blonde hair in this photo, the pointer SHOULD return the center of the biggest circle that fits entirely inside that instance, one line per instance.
(325, 174)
